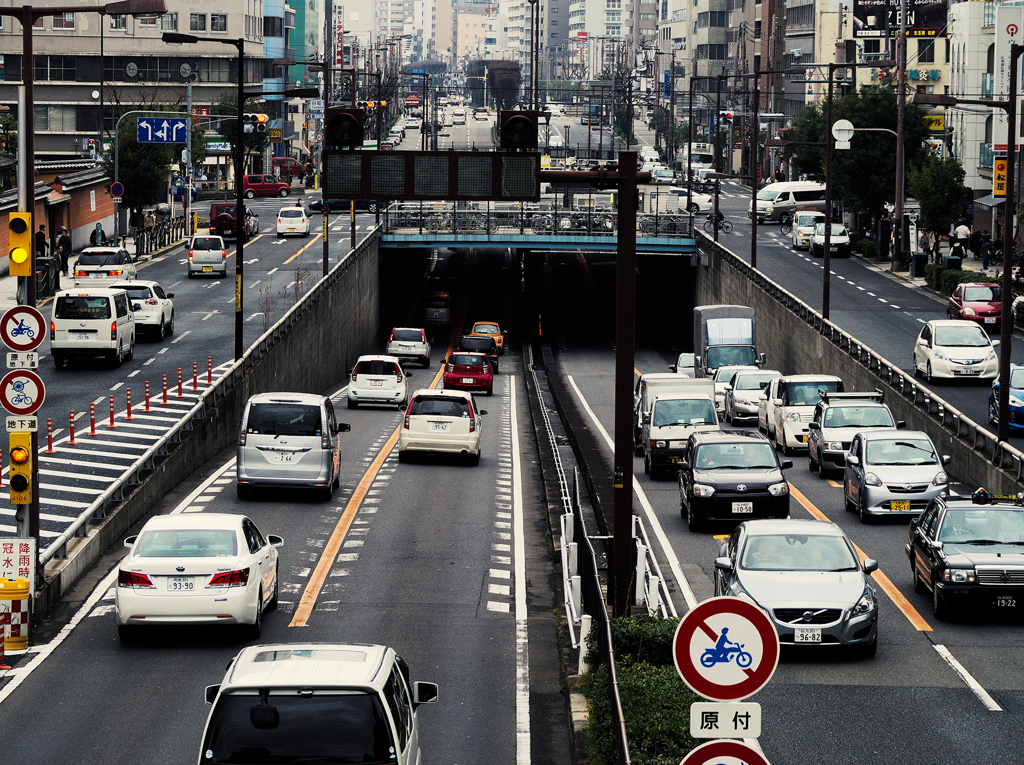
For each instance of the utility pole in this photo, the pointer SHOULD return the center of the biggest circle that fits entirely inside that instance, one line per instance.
(901, 114)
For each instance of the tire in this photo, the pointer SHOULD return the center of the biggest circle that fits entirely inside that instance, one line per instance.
(726, 226)
(693, 522)
(850, 507)
(224, 274)
(256, 628)
(353, 404)
(862, 511)
(326, 494)
(242, 491)
(426, 362)
(272, 604)
(647, 465)
(170, 325)
(402, 457)
(131, 352)
(913, 365)
(709, 227)
(813, 466)
(928, 374)
(59, 360)
(993, 414)
(939, 609)
(116, 360)
(693, 209)
(373, 207)
(283, 193)
(162, 331)
(868, 651)
(126, 632)
(490, 392)
(474, 460)
(250, 194)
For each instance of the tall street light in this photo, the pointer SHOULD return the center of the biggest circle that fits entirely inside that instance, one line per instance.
(176, 38)
(1006, 326)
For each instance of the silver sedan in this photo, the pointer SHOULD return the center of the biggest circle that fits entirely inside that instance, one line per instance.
(807, 577)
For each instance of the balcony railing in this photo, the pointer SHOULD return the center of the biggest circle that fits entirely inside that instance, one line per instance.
(985, 159)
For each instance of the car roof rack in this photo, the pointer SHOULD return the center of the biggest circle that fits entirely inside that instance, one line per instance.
(828, 396)
(982, 497)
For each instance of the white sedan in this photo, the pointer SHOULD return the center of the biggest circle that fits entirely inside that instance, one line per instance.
(197, 568)
(156, 307)
(696, 203)
(955, 348)
(292, 220)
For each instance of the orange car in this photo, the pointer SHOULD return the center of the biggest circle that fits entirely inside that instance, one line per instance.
(492, 330)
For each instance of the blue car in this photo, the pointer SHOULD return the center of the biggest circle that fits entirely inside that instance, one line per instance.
(178, 193)
(1016, 399)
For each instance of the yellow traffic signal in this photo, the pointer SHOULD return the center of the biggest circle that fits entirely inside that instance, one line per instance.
(19, 240)
(20, 479)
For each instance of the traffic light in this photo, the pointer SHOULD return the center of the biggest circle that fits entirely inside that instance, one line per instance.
(726, 116)
(20, 479)
(255, 123)
(344, 128)
(19, 238)
(519, 130)
(92, 146)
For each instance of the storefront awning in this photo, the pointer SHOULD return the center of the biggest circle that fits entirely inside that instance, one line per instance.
(989, 203)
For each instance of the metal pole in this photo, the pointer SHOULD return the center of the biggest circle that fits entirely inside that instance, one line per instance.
(689, 148)
(625, 345)
(901, 112)
(755, 136)
(1009, 207)
(240, 227)
(328, 26)
(188, 164)
(826, 282)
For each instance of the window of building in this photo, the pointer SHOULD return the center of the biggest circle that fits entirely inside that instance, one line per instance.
(169, 22)
(872, 46)
(926, 51)
(64, 21)
(148, 22)
(715, 52)
(54, 68)
(197, 22)
(119, 21)
(38, 23)
(55, 118)
(554, 34)
(218, 22)
(614, 17)
(613, 31)
(273, 27)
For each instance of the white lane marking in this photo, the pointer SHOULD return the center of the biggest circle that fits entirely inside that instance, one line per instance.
(968, 678)
(116, 386)
(872, 294)
(883, 300)
(862, 289)
(272, 270)
(673, 560)
(135, 373)
(182, 336)
(147, 362)
(522, 629)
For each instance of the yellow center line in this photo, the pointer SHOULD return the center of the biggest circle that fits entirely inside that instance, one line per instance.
(915, 619)
(330, 552)
(306, 247)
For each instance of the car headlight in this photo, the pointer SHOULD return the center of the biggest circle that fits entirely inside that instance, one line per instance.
(779, 489)
(769, 208)
(940, 479)
(834, 446)
(701, 490)
(793, 417)
(939, 354)
(958, 575)
(866, 604)
(991, 356)
(872, 480)
(659, 444)
(1016, 402)
(968, 311)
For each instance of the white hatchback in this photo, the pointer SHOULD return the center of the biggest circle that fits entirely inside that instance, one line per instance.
(292, 220)
(378, 380)
(101, 266)
(156, 308)
(197, 568)
(441, 421)
(955, 348)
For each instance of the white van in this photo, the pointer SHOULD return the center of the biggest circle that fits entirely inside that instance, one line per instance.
(673, 417)
(646, 388)
(804, 222)
(777, 198)
(86, 323)
(289, 440)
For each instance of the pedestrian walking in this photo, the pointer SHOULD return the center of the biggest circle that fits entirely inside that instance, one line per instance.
(150, 220)
(97, 238)
(64, 249)
(133, 224)
(41, 241)
(924, 242)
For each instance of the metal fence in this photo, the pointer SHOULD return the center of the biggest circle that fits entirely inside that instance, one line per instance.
(161, 235)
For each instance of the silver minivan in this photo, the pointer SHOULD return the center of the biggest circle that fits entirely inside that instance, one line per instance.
(289, 440)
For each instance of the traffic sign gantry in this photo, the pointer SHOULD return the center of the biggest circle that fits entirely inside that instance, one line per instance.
(22, 392)
(726, 649)
(22, 328)
(721, 752)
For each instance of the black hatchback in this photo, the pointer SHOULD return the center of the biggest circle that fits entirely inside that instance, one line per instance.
(731, 475)
(480, 344)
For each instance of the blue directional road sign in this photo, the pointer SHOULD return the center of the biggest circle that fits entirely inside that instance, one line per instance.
(668, 84)
(162, 130)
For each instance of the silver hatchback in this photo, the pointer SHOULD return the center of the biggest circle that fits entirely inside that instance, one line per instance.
(207, 255)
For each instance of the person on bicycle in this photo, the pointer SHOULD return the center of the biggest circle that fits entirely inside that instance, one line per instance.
(717, 217)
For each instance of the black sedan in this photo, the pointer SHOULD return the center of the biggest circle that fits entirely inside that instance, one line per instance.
(480, 344)
(731, 475)
(969, 552)
(344, 205)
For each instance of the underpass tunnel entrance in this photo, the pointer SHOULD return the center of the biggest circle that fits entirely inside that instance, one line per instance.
(665, 299)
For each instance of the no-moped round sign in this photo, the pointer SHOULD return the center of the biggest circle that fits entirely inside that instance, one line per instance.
(22, 328)
(726, 649)
(724, 752)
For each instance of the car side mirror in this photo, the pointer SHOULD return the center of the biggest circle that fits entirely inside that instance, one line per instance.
(946, 459)
(870, 564)
(814, 426)
(136, 306)
(343, 427)
(424, 693)
(483, 412)
(776, 402)
(645, 418)
(761, 359)
(170, 296)
(672, 368)
(275, 540)
(684, 465)
(995, 343)
(408, 375)
(727, 387)
(763, 397)
(723, 564)
(446, 360)
(787, 464)
(129, 541)
(901, 424)
(853, 460)
(211, 693)
(934, 544)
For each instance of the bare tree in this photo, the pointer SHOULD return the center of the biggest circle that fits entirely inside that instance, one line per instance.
(266, 302)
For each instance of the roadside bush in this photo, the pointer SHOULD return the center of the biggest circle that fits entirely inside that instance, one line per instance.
(932, 275)
(953, 277)
(867, 249)
(639, 639)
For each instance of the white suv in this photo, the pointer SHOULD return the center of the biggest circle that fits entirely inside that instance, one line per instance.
(94, 322)
(273, 697)
(378, 380)
(409, 343)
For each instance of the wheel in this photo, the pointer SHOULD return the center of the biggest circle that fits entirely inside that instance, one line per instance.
(850, 507)
(373, 207)
(256, 628)
(250, 194)
(170, 325)
(786, 450)
(726, 226)
(728, 416)
(709, 227)
(939, 609)
(862, 510)
(693, 209)
(638, 449)
(743, 659)
(913, 365)
(490, 391)
(284, 193)
(273, 598)
(131, 352)
(191, 275)
(426, 362)
(327, 494)
(812, 464)
(59, 360)
(474, 460)
(117, 356)
(993, 413)
(224, 274)
(242, 491)
(693, 522)
(928, 373)
(353, 404)
(869, 650)
(162, 331)
(402, 457)
(126, 632)
(647, 465)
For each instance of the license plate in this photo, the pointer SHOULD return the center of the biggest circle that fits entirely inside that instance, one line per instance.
(180, 584)
(802, 439)
(291, 231)
(285, 456)
(83, 335)
(743, 507)
(376, 383)
(967, 371)
(467, 380)
(439, 427)
(675, 460)
(1004, 601)
(207, 268)
(990, 319)
(806, 634)
(900, 507)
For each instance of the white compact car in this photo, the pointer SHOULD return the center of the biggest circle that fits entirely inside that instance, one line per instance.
(197, 568)
(378, 380)
(101, 266)
(695, 202)
(955, 348)
(156, 308)
(441, 421)
(409, 344)
(804, 223)
(292, 221)
(207, 255)
(744, 391)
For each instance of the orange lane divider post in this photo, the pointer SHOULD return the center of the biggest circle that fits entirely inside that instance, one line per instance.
(209, 370)
(112, 411)
(92, 419)
(49, 436)
(71, 441)
(195, 376)
(165, 389)
(147, 395)
(129, 415)
(179, 383)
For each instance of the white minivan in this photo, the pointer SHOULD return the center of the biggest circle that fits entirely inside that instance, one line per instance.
(777, 198)
(289, 440)
(86, 323)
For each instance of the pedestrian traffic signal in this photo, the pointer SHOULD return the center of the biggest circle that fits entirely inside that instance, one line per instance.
(20, 478)
(255, 123)
(519, 130)
(344, 128)
(19, 238)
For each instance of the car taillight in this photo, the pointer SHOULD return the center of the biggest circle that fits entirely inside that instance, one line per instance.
(224, 254)
(278, 221)
(451, 367)
(472, 423)
(392, 337)
(131, 579)
(237, 578)
(152, 301)
(190, 254)
(113, 330)
(80, 273)
(115, 272)
(398, 377)
(408, 411)
(325, 439)
(53, 331)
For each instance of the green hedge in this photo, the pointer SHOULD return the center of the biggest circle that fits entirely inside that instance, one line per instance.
(867, 249)
(945, 281)
(655, 701)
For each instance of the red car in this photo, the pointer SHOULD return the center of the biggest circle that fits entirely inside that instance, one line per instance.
(978, 302)
(468, 371)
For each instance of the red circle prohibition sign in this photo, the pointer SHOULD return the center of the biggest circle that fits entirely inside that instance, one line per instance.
(712, 750)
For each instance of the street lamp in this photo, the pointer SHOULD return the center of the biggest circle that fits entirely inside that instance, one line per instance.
(176, 38)
(1006, 325)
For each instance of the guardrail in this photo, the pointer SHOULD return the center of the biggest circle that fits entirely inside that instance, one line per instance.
(1000, 453)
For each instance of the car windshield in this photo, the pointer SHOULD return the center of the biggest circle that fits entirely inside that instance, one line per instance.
(318, 727)
(767, 195)
(207, 243)
(735, 355)
(281, 419)
(93, 258)
(753, 381)
(754, 455)
(983, 526)
(377, 367)
(291, 213)
(806, 393)
(837, 229)
(724, 374)
(901, 452)
(440, 407)
(476, 343)
(858, 417)
(694, 411)
(808, 220)
(1017, 378)
(983, 294)
(468, 360)
(797, 552)
(81, 307)
(437, 301)
(968, 335)
(187, 543)
(486, 329)
(407, 335)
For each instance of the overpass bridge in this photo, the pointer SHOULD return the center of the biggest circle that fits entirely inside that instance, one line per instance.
(430, 224)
